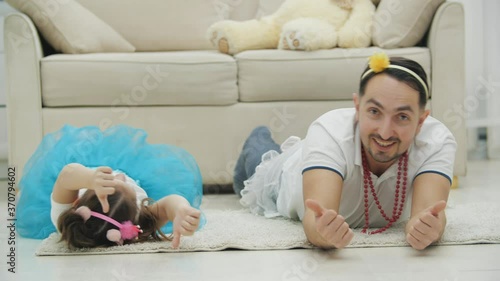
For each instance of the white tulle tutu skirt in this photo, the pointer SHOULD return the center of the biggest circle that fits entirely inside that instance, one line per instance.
(275, 189)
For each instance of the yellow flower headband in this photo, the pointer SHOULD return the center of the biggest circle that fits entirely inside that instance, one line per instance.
(380, 61)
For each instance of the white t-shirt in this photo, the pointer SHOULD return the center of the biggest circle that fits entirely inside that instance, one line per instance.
(333, 143)
(57, 209)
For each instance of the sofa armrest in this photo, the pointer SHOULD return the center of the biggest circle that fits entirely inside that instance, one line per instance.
(447, 45)
(23, 52)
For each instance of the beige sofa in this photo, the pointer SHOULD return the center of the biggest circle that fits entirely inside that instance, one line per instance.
(184, 92)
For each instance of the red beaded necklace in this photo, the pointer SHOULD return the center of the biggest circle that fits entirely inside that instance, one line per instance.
(398, 205)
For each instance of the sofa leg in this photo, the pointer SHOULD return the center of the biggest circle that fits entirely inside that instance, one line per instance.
(454, 183)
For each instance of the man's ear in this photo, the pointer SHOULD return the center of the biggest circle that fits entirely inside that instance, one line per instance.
(422, 118)
(355, 99)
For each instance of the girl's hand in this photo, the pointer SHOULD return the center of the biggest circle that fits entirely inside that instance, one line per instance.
(186, 222)
(102, 181)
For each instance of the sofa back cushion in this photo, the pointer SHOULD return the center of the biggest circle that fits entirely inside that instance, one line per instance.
(70, 28)
(163, 25)
(402, 23)
(242, 9)
(267, 7)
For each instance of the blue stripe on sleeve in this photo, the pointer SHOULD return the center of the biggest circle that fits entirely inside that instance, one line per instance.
(324, 168)
(436, 172)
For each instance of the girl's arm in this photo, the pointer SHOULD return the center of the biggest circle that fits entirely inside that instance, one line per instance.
(74, 177)
(177, 209)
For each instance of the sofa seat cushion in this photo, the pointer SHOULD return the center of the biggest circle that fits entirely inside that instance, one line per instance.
(278, 75)
(137, 79)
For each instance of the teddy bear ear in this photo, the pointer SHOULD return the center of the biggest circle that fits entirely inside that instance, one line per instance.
(114, 235)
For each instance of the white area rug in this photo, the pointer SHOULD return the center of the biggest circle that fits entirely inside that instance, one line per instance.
(239, 229)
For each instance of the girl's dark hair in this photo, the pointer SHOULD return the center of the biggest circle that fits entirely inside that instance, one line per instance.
(402, 76)
(92, 233)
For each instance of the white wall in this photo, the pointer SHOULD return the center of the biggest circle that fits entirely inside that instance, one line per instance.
(474, 66)
(483, 72)
(491, 11)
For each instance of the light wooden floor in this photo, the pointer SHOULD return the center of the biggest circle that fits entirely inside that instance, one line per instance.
(445, 263)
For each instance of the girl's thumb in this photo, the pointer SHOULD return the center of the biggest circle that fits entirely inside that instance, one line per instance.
(176, 241)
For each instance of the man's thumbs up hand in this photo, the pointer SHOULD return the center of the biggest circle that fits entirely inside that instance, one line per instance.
(426, 227)
(330, 226)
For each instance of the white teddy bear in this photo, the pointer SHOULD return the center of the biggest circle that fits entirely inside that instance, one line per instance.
(299, 25)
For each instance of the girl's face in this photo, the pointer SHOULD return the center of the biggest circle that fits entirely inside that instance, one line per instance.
(389, 119)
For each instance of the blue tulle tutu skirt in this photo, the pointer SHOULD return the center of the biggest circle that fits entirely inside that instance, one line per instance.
(159, 169)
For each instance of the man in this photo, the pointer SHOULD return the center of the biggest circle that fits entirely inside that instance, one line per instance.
(360, 167)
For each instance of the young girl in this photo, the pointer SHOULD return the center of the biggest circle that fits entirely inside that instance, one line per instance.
(103, 188)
